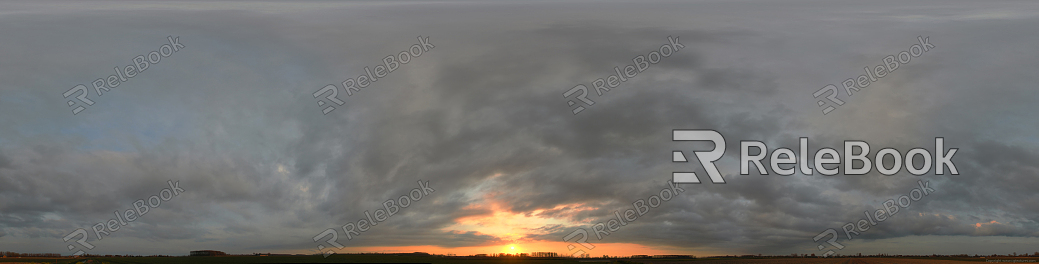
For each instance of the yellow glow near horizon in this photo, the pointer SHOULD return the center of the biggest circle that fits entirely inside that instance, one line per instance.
(512, 249)
(619, 249)
(509, 226)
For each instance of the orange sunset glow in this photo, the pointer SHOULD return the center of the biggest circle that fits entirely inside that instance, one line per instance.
(622, 249)
(514, 230)
(518, 131)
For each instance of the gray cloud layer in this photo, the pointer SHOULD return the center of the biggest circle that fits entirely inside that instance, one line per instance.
(232, 118)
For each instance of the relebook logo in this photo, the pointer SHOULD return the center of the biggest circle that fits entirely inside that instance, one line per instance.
(140, 64)
(351, 86)
(854, 150)
(140, 207)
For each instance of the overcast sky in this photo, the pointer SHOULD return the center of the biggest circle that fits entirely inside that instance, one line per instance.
(232, 117)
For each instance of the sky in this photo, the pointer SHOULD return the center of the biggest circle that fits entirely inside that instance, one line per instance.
(227, 127)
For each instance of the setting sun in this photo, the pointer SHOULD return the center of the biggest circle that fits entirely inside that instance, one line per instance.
(512, 249)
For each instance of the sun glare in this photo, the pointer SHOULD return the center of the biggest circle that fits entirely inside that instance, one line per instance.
(512, 249)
